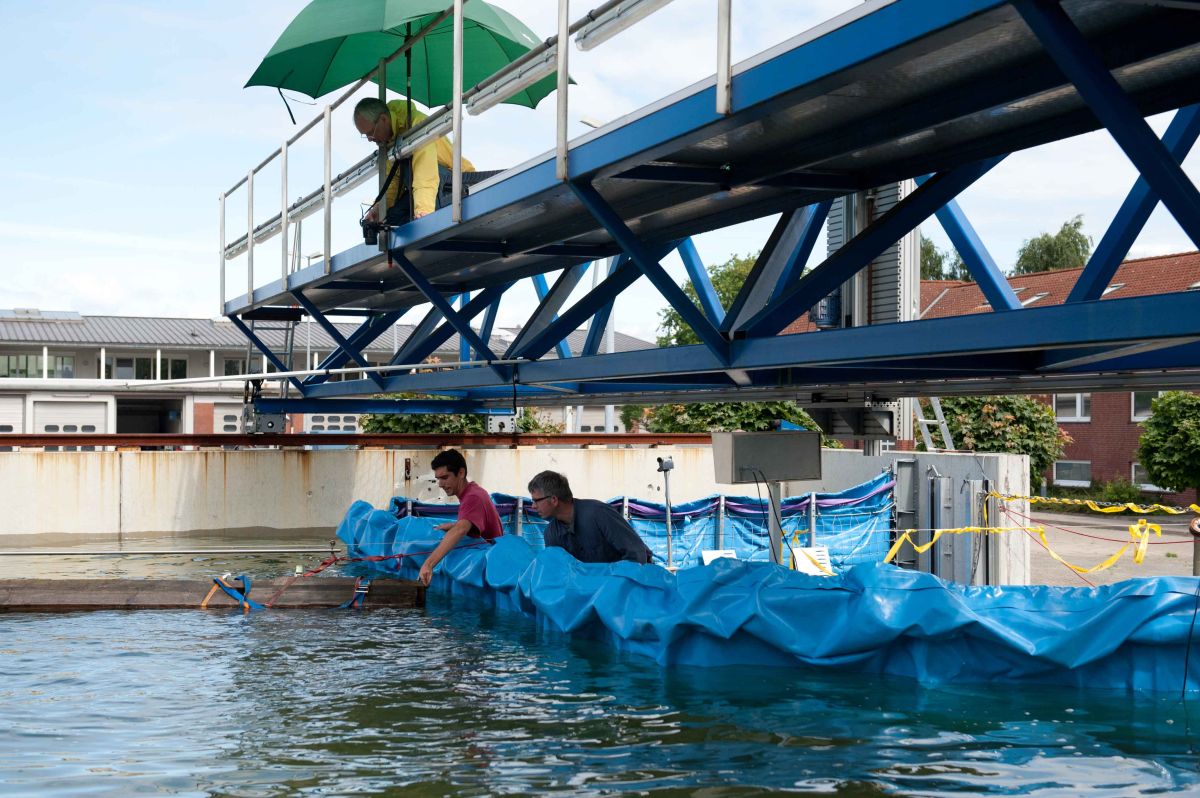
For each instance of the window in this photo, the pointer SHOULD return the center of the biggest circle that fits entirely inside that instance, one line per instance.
(143, 368)
(1073, 406)
(178, 368)
(1140, 478)
(6, 427)
(1113, 287)
(1141, 404)
(1073, 473)
(50, 428)
(229, 423)
(70, 428)
(1035, 298)
(21, 366)
(89, 427)
(234, 367)
(585, 428)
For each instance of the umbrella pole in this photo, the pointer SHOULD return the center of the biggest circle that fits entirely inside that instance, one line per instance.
(412, 206)
(383, 147)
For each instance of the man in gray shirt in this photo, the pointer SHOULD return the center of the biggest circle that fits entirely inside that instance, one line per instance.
(590, 530)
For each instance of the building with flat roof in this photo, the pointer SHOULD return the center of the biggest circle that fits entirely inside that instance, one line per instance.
(62, 371)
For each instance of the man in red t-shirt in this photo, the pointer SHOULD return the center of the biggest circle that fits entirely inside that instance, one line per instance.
(477, 516)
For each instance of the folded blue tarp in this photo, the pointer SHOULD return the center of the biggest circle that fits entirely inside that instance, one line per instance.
(871, 618)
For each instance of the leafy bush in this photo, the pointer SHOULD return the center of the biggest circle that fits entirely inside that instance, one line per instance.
(449, 423)
(1170, 446)
(729, 416)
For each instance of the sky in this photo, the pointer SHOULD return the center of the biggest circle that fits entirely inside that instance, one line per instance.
(125, 121)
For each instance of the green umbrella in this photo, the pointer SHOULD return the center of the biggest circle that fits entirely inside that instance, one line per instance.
(333, 43)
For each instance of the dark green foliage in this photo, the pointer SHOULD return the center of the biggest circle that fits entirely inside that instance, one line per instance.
(1069, 248)
(729, 416)
(447, 423)
(1014, 424)
(939, 265)
(727, 280)
(632, 417)
(1170, 445)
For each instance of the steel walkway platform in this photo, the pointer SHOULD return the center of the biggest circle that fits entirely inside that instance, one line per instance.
(926, 89)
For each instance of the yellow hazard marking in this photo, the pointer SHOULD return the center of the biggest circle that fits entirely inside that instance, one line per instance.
(1101, 507)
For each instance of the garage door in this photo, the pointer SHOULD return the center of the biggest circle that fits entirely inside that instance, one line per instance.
(12, 414)
(227, 417)
(70, 417)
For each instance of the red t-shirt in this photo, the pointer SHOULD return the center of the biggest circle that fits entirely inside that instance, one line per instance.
(475, 505)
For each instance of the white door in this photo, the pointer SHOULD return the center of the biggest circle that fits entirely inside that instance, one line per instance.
(227, 417)
(70, 417)
(12, 414)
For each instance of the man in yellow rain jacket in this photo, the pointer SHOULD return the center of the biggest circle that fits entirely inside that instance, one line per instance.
(431, 164)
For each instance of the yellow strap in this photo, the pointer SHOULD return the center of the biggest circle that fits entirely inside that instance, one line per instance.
(211, 590)
(1100, 508)
(813, 560)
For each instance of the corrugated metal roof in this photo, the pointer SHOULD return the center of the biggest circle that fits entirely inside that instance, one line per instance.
(150, 332)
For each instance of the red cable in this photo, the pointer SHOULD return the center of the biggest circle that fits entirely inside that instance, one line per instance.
(1093, 537)
(1038, 540)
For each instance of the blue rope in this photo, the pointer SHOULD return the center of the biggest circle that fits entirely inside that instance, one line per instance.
(242, 597)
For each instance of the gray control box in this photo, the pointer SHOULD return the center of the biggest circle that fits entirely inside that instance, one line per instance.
(740, 457)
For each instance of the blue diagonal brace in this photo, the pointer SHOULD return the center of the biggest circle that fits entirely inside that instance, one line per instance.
(599, 323)
(1135, 211)
(361, 338)
(464, 348)
(550, 300)
(623, 275)
(640, 255)
(710, 303)
(779, 263)
(864, 247)
(979, 262)
(350, 349)
(456, 320)
(429, 336)
(1112, 106)
(266, 350)
(489, 319)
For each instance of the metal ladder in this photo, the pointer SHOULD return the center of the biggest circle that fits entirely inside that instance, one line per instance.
(285, 325)
(940, 420)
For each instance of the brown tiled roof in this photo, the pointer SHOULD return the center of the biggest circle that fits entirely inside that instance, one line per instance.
(1162, 274)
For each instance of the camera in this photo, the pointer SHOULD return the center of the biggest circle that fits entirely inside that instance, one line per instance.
(371, 231)
(665, 464)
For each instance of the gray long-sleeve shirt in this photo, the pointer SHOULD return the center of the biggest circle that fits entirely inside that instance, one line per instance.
(597, 533)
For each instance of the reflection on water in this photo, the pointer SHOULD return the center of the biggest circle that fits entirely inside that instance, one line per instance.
(453, 700)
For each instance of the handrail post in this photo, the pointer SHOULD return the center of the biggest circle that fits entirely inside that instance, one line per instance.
(724, 58)
(221, 252)
(456, 211)
(328, 189)
(564, 35)
(383, 149)
(250, 237)
(283, 214)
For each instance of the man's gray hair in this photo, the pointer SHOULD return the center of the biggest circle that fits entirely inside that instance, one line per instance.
(551, 483)
(369, 109)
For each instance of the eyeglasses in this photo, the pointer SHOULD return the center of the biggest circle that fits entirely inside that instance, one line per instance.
(539, 499)
(370, 134)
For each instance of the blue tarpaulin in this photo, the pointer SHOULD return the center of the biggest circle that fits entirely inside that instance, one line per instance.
(870, 618)
(855, 524)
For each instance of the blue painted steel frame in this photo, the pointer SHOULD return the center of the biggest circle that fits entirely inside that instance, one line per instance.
(266, 350)
(344, 345)
(373, 327)
(539, 286)
(710, 303)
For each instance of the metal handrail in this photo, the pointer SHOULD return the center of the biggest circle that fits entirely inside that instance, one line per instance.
(322, 198)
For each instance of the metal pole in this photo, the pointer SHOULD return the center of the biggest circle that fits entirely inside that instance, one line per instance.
(383, 147)
(137, 552)
(221, 253)
(812, 518)
(328, 189)
(721, 521)
(775, 532)
(456, 211)
(283, 215)
(250, 237)
(564, 26)
(519, 526)
(667, 497)
(724, 58)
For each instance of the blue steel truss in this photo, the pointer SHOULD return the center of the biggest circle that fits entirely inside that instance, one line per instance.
(818, 117)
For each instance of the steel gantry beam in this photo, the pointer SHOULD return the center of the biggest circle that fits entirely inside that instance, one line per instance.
(818, 117)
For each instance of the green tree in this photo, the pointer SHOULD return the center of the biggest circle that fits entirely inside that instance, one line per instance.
(1069, 248)
(729, 416)
(1007, 424)
(1169, 449)
(938, 264)
(727, 280)
(448, 423)
(632, 417)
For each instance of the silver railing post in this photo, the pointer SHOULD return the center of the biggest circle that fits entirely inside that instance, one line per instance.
(724, 58)
(328, 190)
(221, 254)
(283, 213)
(250, 238)
(456, 211)
(383, 148)
(564, 34)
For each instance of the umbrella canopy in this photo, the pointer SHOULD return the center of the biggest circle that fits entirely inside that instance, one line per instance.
(333, 43)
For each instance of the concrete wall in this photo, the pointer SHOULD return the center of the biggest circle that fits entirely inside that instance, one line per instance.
(144, 493)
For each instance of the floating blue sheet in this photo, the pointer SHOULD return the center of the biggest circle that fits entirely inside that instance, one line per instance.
(871, 618)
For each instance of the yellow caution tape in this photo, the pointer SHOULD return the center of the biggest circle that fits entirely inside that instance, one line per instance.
(965, 530)
(811, 559)
(1101, 507)
(1139, 534)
